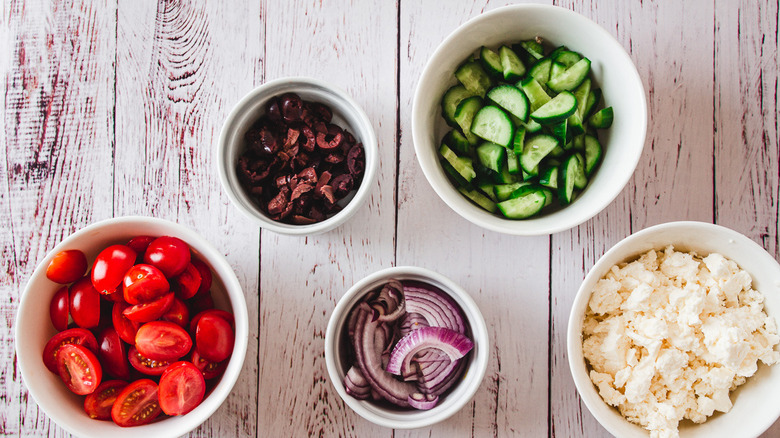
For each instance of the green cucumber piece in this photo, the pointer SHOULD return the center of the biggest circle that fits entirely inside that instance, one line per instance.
(534, 150)
(565, 57)
(560, 108)
(521, 207)
(479, 199)
(594, 98)
(537, 97)
(513, 67)
(532, 50)
(454, 175)
(504, 191)
(491, 123)
(462, 165)
(474, 78)
(512, 163)
(457, 142)
(548, 177)
(593, 153)
(567, 173)
(519, 140)
(488, 190)
(491, 62)
(571, 78)
(602, 119)
(580, 180)
(510, 98)
(559, 131)
(491, 156)
(541, 71)
(464, 115)
(450, 101)
(556, 69)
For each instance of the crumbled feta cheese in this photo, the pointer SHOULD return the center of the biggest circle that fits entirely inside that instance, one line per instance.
(669, 335)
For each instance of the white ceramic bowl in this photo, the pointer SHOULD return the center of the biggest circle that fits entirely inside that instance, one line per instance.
(457, 396)
(753, 412)
(346, 113)
(34, 328)
(611, 69)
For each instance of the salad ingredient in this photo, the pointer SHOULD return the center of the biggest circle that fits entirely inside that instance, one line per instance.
(84, 303)
(144, 283)
(67, 266)
(170, 254)
(181, 388)
(110, 267)
(137, 404)
(78, 368)
(59, 309)
(163, 340)
(78, 336)
(214, 338)
(99, 403)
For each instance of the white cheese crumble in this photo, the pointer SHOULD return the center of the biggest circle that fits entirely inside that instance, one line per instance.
(669, 335)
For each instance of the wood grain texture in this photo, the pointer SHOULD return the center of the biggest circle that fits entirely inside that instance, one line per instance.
(302, 278)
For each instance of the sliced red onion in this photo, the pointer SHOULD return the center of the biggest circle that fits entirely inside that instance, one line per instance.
(389, 303)
(422, 401)
(450, 342)
(357, 385)
(446, 379)
(411, 321)
(434, 305)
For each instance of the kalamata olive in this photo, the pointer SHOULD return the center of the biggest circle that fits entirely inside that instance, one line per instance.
(273, 111)
(292, 107)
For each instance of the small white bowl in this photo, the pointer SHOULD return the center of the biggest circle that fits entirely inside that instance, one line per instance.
(612, 70)
(346, 113)
(452, 401)
(34, 328)
(753, 413)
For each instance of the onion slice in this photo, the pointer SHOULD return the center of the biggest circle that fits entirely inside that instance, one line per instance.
(356, 384)
(434, 305)
(422, 401)
(450, 342)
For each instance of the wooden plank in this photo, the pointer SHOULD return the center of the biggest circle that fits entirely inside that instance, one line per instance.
(353, 46)
(747, 166)
(512, 398)
(178, 76)
(59, 76)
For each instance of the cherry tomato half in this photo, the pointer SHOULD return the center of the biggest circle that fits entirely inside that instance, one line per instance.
(181, 389)
(145, 365)
(84, 303)
(125, 328)
(98, 404)
(67, 266)
(170, 254)
(209, 369)
(177, 313)
(113, 353)
(150, 311)
(205, 275)
(144, 283)
(188, 282)
(58, 309)
(110, 267)
(214, 338)
(78, 336)
(163, 340)
(137, 404)
(79, 368)
(139, 245)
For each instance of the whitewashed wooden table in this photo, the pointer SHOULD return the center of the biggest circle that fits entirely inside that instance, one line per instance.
(113, 108)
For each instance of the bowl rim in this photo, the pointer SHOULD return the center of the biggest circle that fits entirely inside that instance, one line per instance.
(370, 148)
(585, 387)
(233, 291)
(476, 370)
(474, 214)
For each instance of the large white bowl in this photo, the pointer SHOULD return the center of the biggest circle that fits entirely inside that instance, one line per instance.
(755, 403)
(346, 113)
(34, 328)
(457, 396)
(612, 71)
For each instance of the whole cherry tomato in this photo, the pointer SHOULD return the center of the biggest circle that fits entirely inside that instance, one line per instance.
(84, 304)
(214, 338)
(188, 282)
(205, 275)
(58, 309)
(139, 245)
(110, 267)
(144, 283)
(170, 254)
(112, 353)
(67, 266)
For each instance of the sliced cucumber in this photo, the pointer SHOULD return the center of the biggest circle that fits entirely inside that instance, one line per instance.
(454, 175)
(567, 173)
(513, 67)
(594, 98)
(504, 191)
(527, 205)
(556, 110)
(571, 78)
(491, 156)
(534, 150)
(474, 78)
(531, 127)
(450, 101)
(491, 62)
(537, 97)
(457, 142)
(479, 199)
(602, 119)
(512, 163)
(565, 57)
(493, 124)
(548, 177)
(510, 98)
(541, 70)
(581, 94)
(593, 153)
(580, 180)
(519, 140)
(488, 190)
(556, 69)
(557, 152)
(463, 166)
(464, 115)
(559, 131)
(532, 50)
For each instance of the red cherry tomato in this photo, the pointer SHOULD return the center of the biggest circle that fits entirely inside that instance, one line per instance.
(58, 309)
(67, 266)
(214, 338)
(150, 311)
(78, 336)
(177, 313)
(200, 302)
(181, 389)
(139, 245)
(79, 368)
(170, 254)
(144, 283)
(113, 353)
(84, 304)
(205, 275)
(227, 316)
(145, 365)
(98, 404)
(137, 404)
(110, 267)
(124, 327)
(162, 340)
(188, 282)
(114, 297)
(209, 369)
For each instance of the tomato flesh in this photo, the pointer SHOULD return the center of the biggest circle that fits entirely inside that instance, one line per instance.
(209, 369)
(188, 282)
(113, 353)
(84, 303)
(124, 327)
(214, 338)
(177, 313)
(67, 266)
(147, 312)
(110, 267)
(144, 283)
(137, 404)
(181, 389)
(98, 404)
(78, 336)
(79, 368)
(162, 340)
(170, 254)
(58, 309)
(144, 365)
